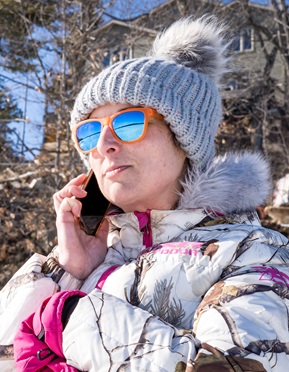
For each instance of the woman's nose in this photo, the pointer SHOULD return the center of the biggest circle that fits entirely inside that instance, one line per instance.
(107, 143)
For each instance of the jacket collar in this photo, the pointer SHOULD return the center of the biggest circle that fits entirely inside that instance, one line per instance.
(167, 226)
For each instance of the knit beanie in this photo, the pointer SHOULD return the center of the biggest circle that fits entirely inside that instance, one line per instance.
(179, 78)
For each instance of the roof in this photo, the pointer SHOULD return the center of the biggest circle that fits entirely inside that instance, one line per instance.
(128, 25)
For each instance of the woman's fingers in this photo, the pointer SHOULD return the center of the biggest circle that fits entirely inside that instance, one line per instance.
(72, 189)
(78, 181)
(69, 205)
(69, 191)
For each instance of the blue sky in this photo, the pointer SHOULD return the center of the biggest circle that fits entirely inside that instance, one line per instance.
(31, 102)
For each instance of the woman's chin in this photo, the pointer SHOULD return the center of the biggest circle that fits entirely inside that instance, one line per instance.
(121, 199)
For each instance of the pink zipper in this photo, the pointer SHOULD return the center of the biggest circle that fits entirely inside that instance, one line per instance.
(144, 220)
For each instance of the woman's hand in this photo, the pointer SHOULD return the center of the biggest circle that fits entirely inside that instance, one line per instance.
(79, 253)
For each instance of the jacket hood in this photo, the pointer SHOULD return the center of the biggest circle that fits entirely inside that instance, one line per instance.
(232, 183)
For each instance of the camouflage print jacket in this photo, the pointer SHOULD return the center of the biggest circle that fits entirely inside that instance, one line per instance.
(200, 288)
(216, 281)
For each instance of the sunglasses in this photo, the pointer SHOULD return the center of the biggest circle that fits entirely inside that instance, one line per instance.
(127, 126)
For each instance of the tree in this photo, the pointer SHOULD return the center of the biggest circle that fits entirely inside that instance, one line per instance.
(53, 42)
(8, 112)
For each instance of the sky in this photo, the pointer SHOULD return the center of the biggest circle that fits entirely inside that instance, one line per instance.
(31, 102)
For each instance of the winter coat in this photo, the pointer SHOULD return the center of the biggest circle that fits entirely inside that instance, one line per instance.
(198, 284)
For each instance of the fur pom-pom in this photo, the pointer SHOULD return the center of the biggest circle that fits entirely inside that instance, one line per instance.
(199, 44)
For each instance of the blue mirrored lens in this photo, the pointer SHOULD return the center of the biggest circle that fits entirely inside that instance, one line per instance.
(129, 126)
(88, 135)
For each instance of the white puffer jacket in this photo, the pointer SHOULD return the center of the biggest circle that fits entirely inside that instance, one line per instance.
(215, 281)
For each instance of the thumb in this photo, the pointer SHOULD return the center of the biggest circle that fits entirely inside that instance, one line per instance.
(102, 231)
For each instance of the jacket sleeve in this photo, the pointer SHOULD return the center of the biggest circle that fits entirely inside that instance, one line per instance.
(22, 295)
(244, 320)
(25, 291)
(143, 343)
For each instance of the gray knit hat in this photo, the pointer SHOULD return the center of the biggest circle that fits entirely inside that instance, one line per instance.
(179, 79)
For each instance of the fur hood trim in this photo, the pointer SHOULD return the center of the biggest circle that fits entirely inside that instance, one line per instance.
(235, 182)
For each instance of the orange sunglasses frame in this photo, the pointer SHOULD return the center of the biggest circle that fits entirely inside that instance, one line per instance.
(148, 112)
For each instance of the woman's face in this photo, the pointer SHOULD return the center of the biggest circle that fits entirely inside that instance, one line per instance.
(138, 176)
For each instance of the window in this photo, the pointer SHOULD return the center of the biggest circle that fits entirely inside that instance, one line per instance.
(231, 85)
(110, 57)
(244, 41)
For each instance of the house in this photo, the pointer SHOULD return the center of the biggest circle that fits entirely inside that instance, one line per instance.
(119, 39)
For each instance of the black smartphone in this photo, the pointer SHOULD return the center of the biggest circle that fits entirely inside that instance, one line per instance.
(94, 206)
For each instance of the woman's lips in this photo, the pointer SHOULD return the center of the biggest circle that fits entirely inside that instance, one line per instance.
(112, 171)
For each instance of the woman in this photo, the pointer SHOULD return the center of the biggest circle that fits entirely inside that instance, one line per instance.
(186, 278)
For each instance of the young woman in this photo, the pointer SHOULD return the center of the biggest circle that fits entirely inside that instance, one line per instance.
(181, 276)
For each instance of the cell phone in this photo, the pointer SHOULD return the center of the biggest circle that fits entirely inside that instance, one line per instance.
(94, 206)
